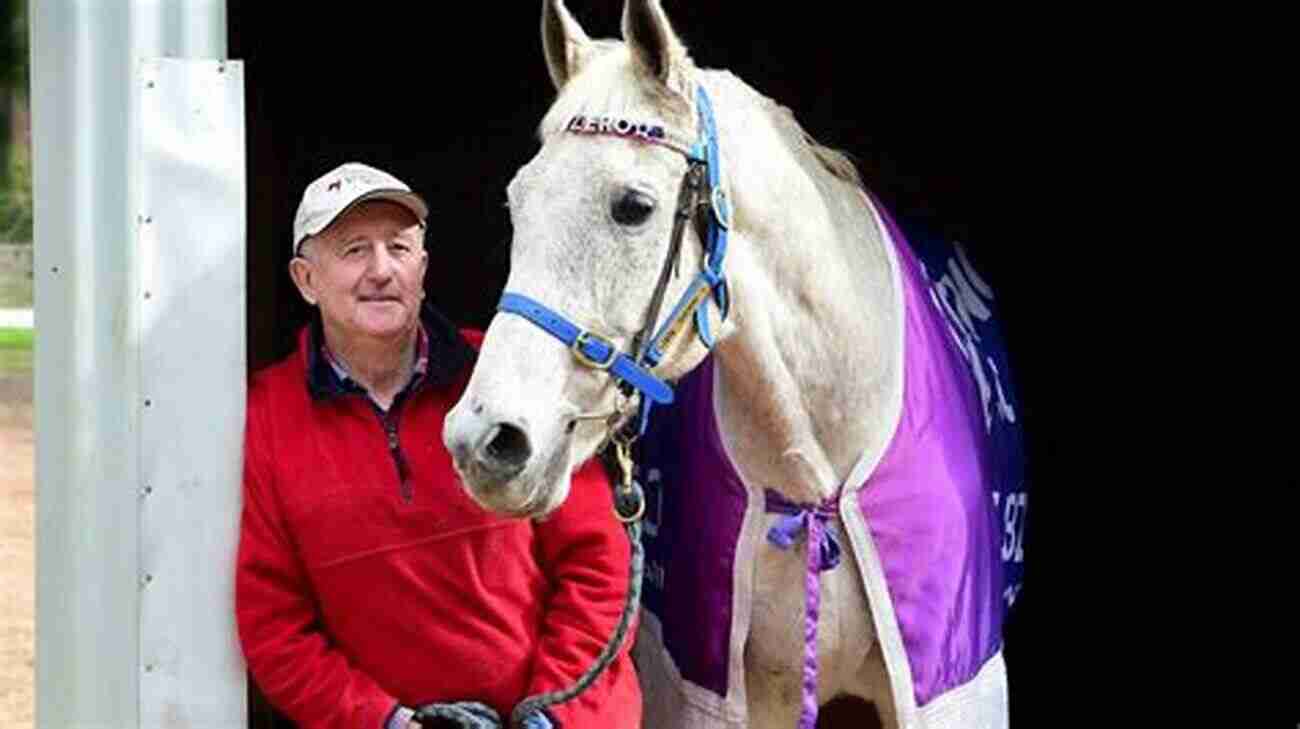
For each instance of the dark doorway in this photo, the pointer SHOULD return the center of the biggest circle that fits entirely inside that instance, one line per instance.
(945, 115)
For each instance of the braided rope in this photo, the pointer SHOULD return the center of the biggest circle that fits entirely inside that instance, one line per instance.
(542, 701)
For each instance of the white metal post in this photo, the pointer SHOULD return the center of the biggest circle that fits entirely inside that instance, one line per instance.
(139, 364)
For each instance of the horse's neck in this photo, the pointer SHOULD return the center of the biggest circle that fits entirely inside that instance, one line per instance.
(810, 379)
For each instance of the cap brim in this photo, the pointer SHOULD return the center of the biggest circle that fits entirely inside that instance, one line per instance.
(408, 200)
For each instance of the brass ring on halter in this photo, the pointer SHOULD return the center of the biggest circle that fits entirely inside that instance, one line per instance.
(640, 512)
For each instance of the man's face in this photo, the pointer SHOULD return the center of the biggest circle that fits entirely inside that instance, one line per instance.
(365, 272)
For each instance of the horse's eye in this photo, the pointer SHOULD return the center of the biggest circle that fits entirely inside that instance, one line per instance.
(632, 208)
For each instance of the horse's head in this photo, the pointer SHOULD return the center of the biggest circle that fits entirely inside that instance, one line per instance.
(593, 215)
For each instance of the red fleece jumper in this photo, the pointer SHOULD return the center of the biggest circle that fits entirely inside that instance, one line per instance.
(367, 577)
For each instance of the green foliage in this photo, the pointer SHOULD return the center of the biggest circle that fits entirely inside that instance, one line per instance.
(15, 159)
(13, 44)
(17, 339)
(16, 198)
(16, 350)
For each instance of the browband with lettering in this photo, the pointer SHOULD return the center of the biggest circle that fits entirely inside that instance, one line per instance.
(622, 127)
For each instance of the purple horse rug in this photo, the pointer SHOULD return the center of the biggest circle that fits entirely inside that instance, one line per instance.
(935, 521)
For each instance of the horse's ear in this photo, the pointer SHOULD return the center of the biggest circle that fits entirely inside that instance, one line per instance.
(564, 41)
(654, 44)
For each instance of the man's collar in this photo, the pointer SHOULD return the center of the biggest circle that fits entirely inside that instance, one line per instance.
(441, 355)
(418, 369)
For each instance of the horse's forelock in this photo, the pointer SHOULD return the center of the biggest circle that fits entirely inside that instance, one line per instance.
(612, 85)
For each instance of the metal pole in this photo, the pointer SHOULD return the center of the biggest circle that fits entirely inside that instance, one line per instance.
(99, 356)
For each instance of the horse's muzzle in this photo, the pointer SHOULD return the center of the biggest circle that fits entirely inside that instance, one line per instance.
(485, 449)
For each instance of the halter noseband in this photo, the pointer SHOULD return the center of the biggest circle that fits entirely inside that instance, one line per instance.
(701, 188)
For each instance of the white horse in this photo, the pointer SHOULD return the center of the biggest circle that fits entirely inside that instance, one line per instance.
(807, 362)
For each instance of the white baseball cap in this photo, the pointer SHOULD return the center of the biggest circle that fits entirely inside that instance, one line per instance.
(343, 187)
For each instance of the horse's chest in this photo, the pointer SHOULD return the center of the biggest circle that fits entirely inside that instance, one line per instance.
(776, 631)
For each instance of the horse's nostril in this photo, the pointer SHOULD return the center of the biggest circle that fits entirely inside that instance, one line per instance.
(507, 446)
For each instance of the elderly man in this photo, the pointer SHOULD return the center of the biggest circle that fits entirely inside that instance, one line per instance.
(368, 583)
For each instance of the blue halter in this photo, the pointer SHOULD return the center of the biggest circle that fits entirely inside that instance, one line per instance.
(633, 370)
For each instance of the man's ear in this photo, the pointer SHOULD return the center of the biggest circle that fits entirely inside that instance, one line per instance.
(303, 275)
(424, 271)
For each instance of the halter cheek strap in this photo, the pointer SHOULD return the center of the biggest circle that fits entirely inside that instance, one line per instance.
(632, 369)
(719, 227)
(713, 232)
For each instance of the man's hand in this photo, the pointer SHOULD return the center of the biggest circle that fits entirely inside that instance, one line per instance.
(537, 720)
(532, 721)
(458, 715)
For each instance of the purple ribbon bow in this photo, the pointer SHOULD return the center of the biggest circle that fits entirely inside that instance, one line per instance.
(823, 554)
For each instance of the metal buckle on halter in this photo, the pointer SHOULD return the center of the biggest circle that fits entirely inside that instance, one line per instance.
(585, 337)
(629, 497)
(716, 202)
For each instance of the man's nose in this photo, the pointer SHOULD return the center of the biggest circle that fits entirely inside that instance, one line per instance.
(382, 264)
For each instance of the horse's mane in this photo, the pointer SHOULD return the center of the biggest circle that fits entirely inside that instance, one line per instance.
(617, 90)
(834, 161)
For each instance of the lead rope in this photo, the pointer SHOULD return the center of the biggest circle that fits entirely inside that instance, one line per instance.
(629, 507)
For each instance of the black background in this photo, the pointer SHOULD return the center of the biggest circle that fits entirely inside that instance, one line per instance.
(954, 120)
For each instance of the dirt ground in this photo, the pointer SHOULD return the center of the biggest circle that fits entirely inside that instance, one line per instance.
(17, 552)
